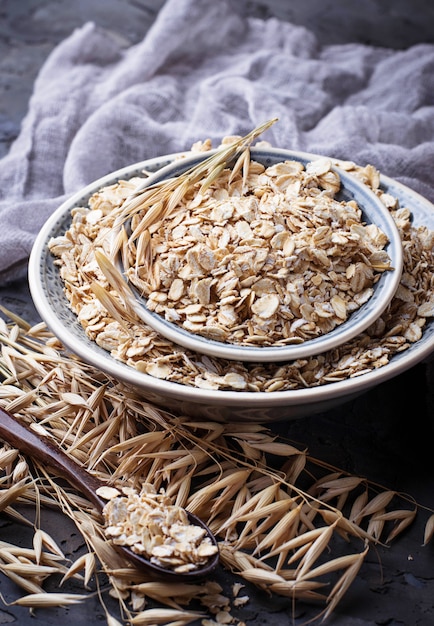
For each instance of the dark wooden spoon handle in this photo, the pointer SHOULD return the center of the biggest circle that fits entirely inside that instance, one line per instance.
(40, 448)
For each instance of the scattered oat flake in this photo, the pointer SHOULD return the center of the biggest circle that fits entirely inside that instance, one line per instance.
(236, 588)
(241, 600)
(107, 493)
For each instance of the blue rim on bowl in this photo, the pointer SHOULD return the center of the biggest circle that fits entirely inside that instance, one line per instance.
(373, 211)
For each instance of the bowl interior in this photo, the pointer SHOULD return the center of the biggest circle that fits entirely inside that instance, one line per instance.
(373, 211)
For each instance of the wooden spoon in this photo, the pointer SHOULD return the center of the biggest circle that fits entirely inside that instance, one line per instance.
(40, 448)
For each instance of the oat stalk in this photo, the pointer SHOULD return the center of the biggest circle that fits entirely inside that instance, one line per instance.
(274, 533)
(160, 199)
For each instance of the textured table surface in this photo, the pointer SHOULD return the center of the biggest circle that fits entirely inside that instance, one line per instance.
(373, 436)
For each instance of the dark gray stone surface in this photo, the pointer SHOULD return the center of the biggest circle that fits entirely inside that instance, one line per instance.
(385, 435)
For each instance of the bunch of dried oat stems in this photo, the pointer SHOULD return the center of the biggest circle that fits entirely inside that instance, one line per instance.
(281, 517)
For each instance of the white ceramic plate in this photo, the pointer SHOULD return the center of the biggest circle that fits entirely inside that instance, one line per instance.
(47, 292)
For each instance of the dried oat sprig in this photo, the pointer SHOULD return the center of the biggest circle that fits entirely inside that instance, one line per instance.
(158, 200)
(155, 203)
(274, 533)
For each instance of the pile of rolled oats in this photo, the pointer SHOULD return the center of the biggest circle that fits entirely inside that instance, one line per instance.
(142, 348)
(269, 256)
(150, 525)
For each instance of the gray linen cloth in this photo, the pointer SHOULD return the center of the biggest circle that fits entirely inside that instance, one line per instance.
(201, 71)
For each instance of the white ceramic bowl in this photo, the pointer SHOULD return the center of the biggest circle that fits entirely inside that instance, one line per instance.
(51, 303)
(373, 212)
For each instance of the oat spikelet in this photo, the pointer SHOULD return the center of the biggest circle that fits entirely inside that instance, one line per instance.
(27, 585)
(13, 493)
(429, 530)
(85, 562)
(165, 616)
(44, 600)
(344, 583)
